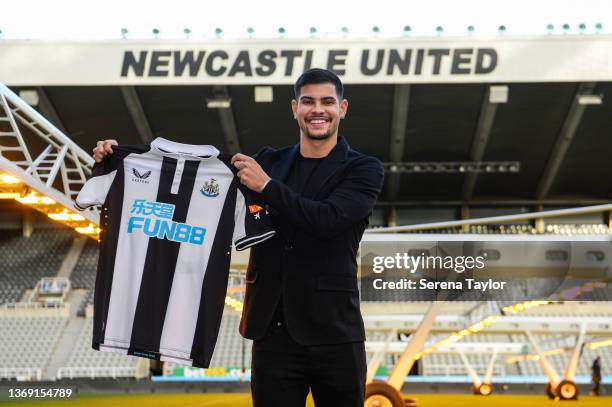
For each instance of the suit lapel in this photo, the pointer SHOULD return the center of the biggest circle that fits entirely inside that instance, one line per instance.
(327, 168)
(280, 170)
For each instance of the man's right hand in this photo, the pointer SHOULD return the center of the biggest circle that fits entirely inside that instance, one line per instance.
(103, 148)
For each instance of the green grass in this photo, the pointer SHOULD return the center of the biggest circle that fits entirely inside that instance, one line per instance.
(244, 400)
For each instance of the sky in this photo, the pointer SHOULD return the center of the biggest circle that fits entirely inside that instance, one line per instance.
(104, 19)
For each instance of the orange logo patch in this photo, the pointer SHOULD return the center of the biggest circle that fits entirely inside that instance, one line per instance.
(255, 208)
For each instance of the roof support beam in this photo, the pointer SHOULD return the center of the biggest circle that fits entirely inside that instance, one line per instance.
(479, 143)
(497, 202)
(47, 109)
(228, 124)
(399, 120)
(564, 140)
(132, 101)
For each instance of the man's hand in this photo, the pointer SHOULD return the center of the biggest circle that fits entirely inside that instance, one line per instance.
(103, 148)
(250, 172)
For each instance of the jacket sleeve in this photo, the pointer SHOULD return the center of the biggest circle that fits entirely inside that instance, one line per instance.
(351, 200)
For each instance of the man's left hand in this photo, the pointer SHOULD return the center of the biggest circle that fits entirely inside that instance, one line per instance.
(250, 172)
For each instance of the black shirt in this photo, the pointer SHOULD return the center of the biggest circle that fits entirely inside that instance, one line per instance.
(297, 180)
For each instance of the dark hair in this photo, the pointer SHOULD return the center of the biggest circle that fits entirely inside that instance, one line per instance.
(318, 75)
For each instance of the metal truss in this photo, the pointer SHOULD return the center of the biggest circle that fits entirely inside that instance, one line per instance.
(42, 157)
(595, 326)
(452, 167)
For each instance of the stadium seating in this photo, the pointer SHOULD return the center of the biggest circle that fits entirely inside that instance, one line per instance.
(27, 260)
(29, 342)
(86, 362)
(84, 273)
(521, 229)
(87, 300)
(228, 350)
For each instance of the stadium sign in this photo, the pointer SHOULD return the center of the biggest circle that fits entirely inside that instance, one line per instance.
(246, 64)
(434, 60)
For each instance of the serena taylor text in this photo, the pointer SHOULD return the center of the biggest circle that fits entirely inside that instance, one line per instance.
(424, 284)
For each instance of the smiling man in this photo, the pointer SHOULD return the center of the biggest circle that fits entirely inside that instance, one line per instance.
(302, 302)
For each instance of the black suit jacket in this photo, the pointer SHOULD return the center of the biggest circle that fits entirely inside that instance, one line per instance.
(312, 258)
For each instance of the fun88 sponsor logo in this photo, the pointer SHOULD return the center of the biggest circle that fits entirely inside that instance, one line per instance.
(154, 219)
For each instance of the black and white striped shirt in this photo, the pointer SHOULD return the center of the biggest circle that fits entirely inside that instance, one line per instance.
(170, 212)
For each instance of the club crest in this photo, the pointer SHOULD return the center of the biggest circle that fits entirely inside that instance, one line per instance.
(210, 188)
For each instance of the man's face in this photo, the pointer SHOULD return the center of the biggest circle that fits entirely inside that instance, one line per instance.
(318, 112)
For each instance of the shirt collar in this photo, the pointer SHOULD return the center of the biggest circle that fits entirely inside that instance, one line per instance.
(172, 148)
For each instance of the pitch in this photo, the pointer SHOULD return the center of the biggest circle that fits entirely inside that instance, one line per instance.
(244, 400)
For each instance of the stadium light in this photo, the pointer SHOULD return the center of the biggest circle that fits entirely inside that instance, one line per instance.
(480, 325)
(33, 198)
(345, 31)
(557, 351)
(66, 215)
(471, 29)
(498, 94)
(407, 30)
(218, 103)
(124, 33)
(89, 230)
(187, 32)
(10, 187)
(566, 28)
(501, 29)
(282, 31)
(218, 32)
(264, 94)
(600, 344)
(30, 96)
(376, 30)
(8, 179)
(451, 167)
(250, 31)
(588, 99)
(312, 31)
(9, 195)
(439, 30)
(598, 28)
(48, 206)
(1, 33)
(582, 27)
(155, 32)
(550, 28)
(515, 359)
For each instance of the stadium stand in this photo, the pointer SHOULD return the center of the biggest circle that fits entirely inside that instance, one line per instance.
(559, 360)
(27, 260)
(84, 273)
(229, 349)
(509, 229)
(86, 362)
(27, 344)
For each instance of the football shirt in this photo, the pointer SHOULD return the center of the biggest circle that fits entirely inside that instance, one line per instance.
(170, 212)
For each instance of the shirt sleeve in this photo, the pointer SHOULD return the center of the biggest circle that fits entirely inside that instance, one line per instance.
(96, 188)
(252, 223)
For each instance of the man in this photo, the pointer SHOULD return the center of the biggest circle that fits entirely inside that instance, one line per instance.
(596, 376)
(302, 302)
